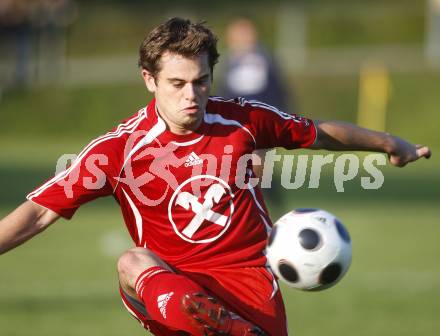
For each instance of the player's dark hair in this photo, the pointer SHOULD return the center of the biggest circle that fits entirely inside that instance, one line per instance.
(177, 36)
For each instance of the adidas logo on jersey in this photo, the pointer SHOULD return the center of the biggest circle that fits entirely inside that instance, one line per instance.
(162, 301)
(193, 159)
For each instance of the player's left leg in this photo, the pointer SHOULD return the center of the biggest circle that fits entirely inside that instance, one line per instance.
(173, 300)
(143, 275)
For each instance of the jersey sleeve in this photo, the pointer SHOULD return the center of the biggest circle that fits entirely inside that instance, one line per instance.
(88, 177)
(274, 128)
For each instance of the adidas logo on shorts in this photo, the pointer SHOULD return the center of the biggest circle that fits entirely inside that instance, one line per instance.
(162, 301)
(193, 159)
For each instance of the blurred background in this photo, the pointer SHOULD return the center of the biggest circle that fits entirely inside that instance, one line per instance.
(68, 72)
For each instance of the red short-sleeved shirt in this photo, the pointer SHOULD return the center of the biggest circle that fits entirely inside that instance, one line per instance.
(188, 198)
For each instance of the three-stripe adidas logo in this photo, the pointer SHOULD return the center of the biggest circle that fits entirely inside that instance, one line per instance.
(193, 159)
(162, 301)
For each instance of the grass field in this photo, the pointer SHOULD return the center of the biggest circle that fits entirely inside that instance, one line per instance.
(64, 282)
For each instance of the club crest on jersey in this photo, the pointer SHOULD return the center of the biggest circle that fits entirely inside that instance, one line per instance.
(192, 160)
(201, 208)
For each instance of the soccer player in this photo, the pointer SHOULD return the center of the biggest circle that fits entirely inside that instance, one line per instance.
(180, 171)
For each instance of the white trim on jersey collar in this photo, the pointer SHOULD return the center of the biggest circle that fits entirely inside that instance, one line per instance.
(186, 143)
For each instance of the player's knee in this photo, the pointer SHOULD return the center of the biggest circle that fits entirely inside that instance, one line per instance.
(136, 260)
(129, 261)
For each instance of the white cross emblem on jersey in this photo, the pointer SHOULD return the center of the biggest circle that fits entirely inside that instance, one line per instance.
(202, 210)
(189, 208)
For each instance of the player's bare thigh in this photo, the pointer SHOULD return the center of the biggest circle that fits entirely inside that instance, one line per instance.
(132, 263)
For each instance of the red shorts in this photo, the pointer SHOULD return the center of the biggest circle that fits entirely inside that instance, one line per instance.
(248, 292)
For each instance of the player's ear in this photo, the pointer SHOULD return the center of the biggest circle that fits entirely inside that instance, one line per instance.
(150, 81)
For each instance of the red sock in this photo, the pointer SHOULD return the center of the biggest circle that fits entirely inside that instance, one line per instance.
(161, 291)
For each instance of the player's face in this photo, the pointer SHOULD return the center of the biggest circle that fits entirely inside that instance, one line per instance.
(181, 89)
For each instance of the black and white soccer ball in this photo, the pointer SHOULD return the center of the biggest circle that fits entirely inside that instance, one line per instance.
(309, 249)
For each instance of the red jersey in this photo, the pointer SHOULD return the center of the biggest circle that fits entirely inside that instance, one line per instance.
(188, 198)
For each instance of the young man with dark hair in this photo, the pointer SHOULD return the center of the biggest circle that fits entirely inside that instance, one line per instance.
(180, 170)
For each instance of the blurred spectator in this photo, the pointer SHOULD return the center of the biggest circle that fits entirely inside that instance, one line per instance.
(249, 70)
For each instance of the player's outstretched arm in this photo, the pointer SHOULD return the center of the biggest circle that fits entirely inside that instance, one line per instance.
(335, 135)
(23, 223)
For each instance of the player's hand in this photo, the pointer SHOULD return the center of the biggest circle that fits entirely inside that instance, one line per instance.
(402, 152)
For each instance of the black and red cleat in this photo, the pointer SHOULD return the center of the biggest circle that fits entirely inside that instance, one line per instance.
(214, 319)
